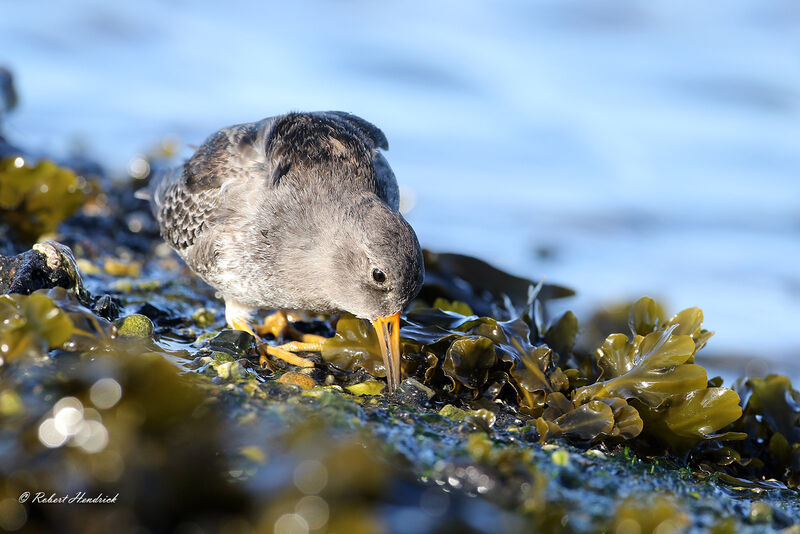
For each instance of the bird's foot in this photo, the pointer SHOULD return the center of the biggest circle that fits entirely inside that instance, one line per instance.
(284, 354)
(295, 346)
(240, 323)
(312, 339)
(279, 325)
(276, 324)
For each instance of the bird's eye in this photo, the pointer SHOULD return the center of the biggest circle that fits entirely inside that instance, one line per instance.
(378, 276)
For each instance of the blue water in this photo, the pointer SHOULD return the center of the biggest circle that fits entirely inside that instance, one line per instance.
(622, 148)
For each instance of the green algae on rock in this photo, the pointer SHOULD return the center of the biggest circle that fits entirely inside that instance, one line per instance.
(135, 325)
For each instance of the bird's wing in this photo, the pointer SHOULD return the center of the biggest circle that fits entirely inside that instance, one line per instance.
(286, 148)
(347, 147)
(230, 154)
(186, 199)
(386, 182)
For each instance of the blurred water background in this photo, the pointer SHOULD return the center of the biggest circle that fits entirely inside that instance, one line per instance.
(620, 148)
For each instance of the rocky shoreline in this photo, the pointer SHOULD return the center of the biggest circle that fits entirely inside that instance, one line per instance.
(119, 377)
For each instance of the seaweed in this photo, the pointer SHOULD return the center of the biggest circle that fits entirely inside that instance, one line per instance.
(34, 200)
(31, 325)
(643, 389)
(643, 383)
(771, 423)
(355, 346)
(482, 287)
(647, 514)
(649, 369)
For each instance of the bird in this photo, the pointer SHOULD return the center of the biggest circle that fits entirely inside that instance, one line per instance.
(298, 211)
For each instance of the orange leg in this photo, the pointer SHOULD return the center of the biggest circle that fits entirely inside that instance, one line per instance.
(279, 326)
(240, 323)
(276, 324)
(282, 354)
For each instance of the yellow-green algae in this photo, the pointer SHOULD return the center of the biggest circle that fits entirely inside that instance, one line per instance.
(135, 325)
(31, 325)
(647, 514)
(646, 382)
(35, 199)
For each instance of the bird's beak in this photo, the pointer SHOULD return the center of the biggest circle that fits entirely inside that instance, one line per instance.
(388, 330)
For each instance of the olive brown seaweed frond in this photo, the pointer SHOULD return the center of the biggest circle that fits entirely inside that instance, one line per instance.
(644, 389)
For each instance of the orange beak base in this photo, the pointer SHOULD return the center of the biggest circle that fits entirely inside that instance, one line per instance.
(388, 330)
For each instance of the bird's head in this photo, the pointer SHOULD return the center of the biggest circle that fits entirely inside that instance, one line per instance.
(379, 262)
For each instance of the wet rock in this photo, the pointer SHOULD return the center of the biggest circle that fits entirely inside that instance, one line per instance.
(315, 326)
(235, 342)
(781, 519)
(298, 379)
(569, 476)
(135, 325)
(107, 307)
(414, 392)
(159, 316)
(46, 265)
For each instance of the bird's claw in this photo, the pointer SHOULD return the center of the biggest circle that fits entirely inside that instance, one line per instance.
(276, 324)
